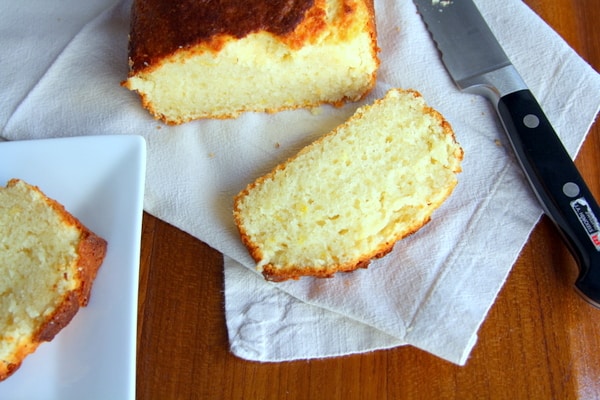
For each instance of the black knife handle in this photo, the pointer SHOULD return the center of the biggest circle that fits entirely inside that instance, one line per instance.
(565, 197)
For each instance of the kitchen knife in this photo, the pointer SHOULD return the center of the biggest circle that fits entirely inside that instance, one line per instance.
(477, 64)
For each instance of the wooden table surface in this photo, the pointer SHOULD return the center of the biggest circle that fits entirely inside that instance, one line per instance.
(539, 341)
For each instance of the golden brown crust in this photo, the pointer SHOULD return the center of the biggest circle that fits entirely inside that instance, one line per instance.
(278, 274)
(8, 368)
(91, 252)
(60, 318)
(159, 28)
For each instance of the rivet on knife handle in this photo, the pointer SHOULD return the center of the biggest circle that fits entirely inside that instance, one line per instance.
(477, 64)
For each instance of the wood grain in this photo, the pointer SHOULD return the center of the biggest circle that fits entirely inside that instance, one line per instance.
(539, 341)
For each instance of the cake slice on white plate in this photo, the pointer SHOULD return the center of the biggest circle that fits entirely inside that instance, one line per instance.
(48, 263)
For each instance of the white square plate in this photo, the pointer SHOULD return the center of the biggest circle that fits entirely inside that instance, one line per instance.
(100, 180)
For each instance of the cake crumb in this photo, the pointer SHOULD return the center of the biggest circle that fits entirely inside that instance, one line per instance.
(287, 218)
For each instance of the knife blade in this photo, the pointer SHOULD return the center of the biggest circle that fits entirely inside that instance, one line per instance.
(478, 64)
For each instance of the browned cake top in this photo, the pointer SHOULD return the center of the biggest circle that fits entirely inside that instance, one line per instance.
(160, 27)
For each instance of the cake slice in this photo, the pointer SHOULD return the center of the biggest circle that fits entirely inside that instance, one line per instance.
(349, 196)
(48, 262)
(216, 59)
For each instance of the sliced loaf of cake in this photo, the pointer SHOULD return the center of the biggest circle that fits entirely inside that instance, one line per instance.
(349, 196)
(216, 59)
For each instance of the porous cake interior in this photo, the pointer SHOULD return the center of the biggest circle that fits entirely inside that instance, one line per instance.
(375, 179)
(37, 254)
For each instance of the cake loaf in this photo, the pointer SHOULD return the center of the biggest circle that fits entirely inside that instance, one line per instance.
(349, 196)
(48, 262)
(216, 59)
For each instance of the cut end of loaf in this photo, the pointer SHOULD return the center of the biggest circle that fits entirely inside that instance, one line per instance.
(351, 195)
(330, 57)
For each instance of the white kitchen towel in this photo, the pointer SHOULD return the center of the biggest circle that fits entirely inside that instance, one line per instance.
(433, 291)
